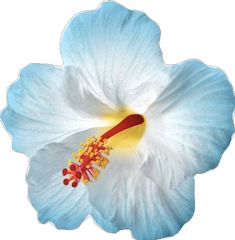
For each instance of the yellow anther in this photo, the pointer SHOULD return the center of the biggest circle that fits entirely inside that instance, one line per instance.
(98, 163)
(80, 151)
(89, 149)
(85, 181)
(103, 165)
(95, 173)
(75, 156)
(89, 140)
(106, 151)
(104, 162)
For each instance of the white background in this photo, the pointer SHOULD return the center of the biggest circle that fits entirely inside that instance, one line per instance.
(30, 32)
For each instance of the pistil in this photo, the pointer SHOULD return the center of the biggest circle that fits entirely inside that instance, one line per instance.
(93, 155)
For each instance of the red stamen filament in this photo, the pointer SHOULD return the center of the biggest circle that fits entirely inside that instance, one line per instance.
(128, 122)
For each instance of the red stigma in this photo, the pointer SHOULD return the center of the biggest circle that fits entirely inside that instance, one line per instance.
(78, 175)
(64, 171)
(66, 181)
(74, 184)
(72, 167)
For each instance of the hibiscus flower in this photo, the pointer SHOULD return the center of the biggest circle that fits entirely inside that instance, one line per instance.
(115, 133)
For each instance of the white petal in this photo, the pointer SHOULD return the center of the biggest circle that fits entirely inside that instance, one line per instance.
(190, 125)
(130, 200)
(117, 50)
(64, 206)
(48, 103)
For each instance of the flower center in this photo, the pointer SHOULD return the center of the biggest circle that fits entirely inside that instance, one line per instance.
(92, 156)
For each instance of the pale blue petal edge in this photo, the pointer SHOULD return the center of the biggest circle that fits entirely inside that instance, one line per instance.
(194, 124)
(116, 49)
(209, 93)
(113, 20)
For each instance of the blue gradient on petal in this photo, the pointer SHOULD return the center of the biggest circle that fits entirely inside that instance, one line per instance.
(201, 100)
(34, 115)
(162, 212)
(104, 28)
(137, 203)
(116, 49)
(64, 206)
(45, 105)
(191, 123)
